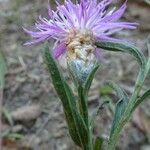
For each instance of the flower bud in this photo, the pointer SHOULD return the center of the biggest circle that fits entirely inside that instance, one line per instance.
(80, 55)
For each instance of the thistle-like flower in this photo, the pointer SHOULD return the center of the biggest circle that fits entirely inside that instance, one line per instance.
(77, 26)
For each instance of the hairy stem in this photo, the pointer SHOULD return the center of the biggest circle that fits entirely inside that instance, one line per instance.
(1, 98)
(83, 107)
(126, 116)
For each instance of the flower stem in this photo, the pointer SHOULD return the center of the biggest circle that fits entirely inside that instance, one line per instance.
(115, 136)
(83, 107)
(129, 110)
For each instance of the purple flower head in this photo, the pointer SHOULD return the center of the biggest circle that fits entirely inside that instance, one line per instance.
(76, 26)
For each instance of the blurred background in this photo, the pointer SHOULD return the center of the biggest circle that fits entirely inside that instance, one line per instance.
(32, 117)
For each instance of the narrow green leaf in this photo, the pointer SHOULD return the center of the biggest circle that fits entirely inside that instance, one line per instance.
(15, 136)
(123, 108)
(141, 99)
(120, 92)
(120, 109)
(120, 47)
(98, 143)
(3, 69)
(148, 62)
(140, 81)
(89, 80)
(79, 127)
(148, 44)
(57, 79)
(105, 90)
(83, 90)
(76, 125)
(7, 115)
(120, 106)
(83, 104)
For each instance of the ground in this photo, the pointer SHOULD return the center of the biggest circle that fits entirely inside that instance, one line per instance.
(39, 124)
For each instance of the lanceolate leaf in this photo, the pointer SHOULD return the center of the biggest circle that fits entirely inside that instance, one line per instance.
(77, 128)
(148, 62)
(110, 46)
(98, 143)
(140, 80)
(83, 90)
(116, 47)
(141, 99)
(89, 80)
(3, 70)
(120, 92)
(120, 107)
(148, 44)
(83, 104)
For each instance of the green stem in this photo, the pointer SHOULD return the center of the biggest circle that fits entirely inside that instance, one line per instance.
(114, 138)
(126, 116)
(83, 107)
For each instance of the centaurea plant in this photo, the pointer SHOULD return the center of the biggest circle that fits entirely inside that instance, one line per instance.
(81, 30)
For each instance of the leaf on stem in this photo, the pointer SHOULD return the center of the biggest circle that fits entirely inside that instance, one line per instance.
(148, 62)
(105, 90)
(76, 125)
(98, 143)
(141, 99)
(120, 106)
(148, 44)
(120, 47)
(147, 93)
(89, 80)
(83, 104)
(8, 116)
(83, 89)
(144, 69)
(3, 69)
